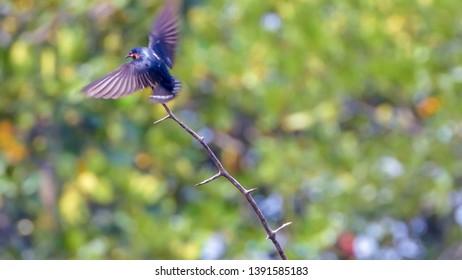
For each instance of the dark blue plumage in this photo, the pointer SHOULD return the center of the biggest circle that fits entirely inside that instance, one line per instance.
(149, 65)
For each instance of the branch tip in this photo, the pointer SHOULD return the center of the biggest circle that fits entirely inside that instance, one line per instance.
(209, 179)
(161, 120)
(281, 227)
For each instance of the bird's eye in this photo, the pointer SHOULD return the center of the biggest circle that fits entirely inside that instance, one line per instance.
(135, 55)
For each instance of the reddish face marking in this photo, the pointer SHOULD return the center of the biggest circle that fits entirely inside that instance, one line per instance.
(133, 55)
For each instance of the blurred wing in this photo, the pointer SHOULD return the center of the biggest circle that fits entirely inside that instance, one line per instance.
(163, 38)
(126, 80)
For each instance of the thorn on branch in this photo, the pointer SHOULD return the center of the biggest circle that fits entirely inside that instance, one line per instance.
(209, 179)
(161, 120)
(281, 227)
(250, 190)
(274, 232)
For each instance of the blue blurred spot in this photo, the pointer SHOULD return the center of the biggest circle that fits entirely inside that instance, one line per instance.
(458, 215)
(418, 226)
(214, 247)
(365, 246)
(272, 206)
(409, 248)
(271, 22)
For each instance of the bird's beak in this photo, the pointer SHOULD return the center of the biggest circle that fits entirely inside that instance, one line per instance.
(129, 55)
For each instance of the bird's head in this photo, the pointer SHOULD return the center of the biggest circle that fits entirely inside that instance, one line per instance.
(133, 53)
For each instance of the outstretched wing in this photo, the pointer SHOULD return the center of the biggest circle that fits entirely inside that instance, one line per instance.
(126, 80)
(163, 38)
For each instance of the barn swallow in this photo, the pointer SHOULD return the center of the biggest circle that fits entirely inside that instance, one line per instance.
(149, 65)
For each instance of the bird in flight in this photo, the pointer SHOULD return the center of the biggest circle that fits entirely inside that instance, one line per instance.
(148, 67)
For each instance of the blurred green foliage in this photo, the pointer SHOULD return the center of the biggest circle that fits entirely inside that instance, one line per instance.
(345, 114)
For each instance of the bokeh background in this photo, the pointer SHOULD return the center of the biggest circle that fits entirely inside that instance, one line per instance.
(346, 115)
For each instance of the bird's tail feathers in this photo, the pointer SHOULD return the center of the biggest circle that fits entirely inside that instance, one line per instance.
(176, 85)
(162, 95)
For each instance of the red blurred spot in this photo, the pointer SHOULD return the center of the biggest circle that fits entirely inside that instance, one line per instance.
(345, 245)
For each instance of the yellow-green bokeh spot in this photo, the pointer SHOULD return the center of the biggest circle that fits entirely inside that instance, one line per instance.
(72, 205)
(146, 188)
(21, 57)
(98, 190)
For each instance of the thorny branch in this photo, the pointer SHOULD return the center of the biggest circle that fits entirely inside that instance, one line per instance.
(222, 172)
